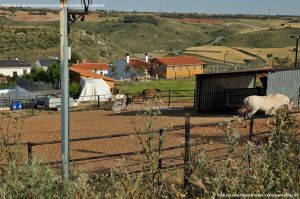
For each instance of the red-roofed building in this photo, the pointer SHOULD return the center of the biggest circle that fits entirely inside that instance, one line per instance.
(76, 74)
(99, 68)
(177, 67)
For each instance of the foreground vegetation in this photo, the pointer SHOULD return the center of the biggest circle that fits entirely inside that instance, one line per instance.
(274, 169)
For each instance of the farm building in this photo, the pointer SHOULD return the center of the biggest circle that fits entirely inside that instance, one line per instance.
(77, 74)
(99, 68)
(217, 91)
(129, 67)
(176, 67)
(12, 67)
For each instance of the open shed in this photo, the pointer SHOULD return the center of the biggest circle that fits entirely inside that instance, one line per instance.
(218, 91)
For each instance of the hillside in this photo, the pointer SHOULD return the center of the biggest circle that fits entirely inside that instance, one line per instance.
(42, 40)
(163, 36)
(271, 38)
(107, 37)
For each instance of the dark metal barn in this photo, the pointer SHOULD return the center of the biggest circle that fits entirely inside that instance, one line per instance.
(218, 91)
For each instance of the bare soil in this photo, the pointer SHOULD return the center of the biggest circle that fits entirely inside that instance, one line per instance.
(45, 126)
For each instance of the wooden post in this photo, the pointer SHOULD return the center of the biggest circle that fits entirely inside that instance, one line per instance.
(29, 150)
(98, 102)
(187, 158)
(160, 150)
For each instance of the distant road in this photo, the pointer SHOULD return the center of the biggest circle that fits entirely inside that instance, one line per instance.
(216, 41)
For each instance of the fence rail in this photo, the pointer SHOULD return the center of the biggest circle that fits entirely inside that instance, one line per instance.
(187, 146)
(97, 101)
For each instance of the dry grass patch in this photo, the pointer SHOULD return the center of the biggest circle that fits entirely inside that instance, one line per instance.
(218, 52)
(276, 52)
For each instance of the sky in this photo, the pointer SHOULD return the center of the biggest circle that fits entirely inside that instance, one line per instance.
(285, 7)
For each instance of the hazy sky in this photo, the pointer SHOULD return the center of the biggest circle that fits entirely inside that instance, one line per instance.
(291, 7)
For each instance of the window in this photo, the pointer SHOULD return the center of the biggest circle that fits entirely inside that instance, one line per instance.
(24, 72)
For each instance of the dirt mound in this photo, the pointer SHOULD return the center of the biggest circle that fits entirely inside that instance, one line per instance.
(26, 17)
(4, 12)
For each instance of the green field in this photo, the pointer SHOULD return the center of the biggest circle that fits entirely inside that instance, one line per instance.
(163, 85)
(272, 38)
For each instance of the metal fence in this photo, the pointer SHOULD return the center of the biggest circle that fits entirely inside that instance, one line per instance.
(247, 135)
(94, 102)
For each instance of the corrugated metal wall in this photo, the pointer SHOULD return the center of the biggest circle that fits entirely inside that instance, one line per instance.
(211, 92)
(285, 82)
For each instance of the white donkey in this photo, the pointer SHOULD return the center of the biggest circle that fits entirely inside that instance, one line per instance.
(269, 104)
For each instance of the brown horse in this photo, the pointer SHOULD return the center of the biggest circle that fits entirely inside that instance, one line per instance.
(151, 93)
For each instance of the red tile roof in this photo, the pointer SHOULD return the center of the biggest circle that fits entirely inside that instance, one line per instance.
(136, 63)
(91, 66)
(87, 73)
(184, 60)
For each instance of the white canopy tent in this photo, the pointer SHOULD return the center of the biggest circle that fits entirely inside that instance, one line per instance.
(92, 88)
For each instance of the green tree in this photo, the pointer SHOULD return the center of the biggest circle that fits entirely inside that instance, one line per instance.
(53, 73)
(39, 75)
(113, 70)
(74, 89)
(75, 57)
(282, 62)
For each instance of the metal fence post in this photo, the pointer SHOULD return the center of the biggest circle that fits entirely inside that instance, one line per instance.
(187, 158)
(251, 128)
(29, 149)
(160, 150)
(169, 102)
(250, 137)
(98, 102)
(8, 99)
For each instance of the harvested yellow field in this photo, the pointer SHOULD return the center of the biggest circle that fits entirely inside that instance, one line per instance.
(276, 52)
(218, 53)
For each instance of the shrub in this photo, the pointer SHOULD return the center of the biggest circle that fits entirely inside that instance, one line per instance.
(74, 89)
(273, 170)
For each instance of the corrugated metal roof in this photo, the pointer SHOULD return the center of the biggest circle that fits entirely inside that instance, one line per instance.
(12, 63)
(249, 71)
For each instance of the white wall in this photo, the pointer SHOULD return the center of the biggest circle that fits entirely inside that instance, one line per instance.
(10, 71)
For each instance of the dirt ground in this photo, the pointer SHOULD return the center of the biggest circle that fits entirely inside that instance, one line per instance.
(44, 126)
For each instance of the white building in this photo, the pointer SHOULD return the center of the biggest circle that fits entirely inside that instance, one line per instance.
(11, 67)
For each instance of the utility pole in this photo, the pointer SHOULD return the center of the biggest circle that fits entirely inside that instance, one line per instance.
(296, 56)
(64, 69)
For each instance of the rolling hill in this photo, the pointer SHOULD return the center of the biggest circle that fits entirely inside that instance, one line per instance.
(271, 38)
(108, 38)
